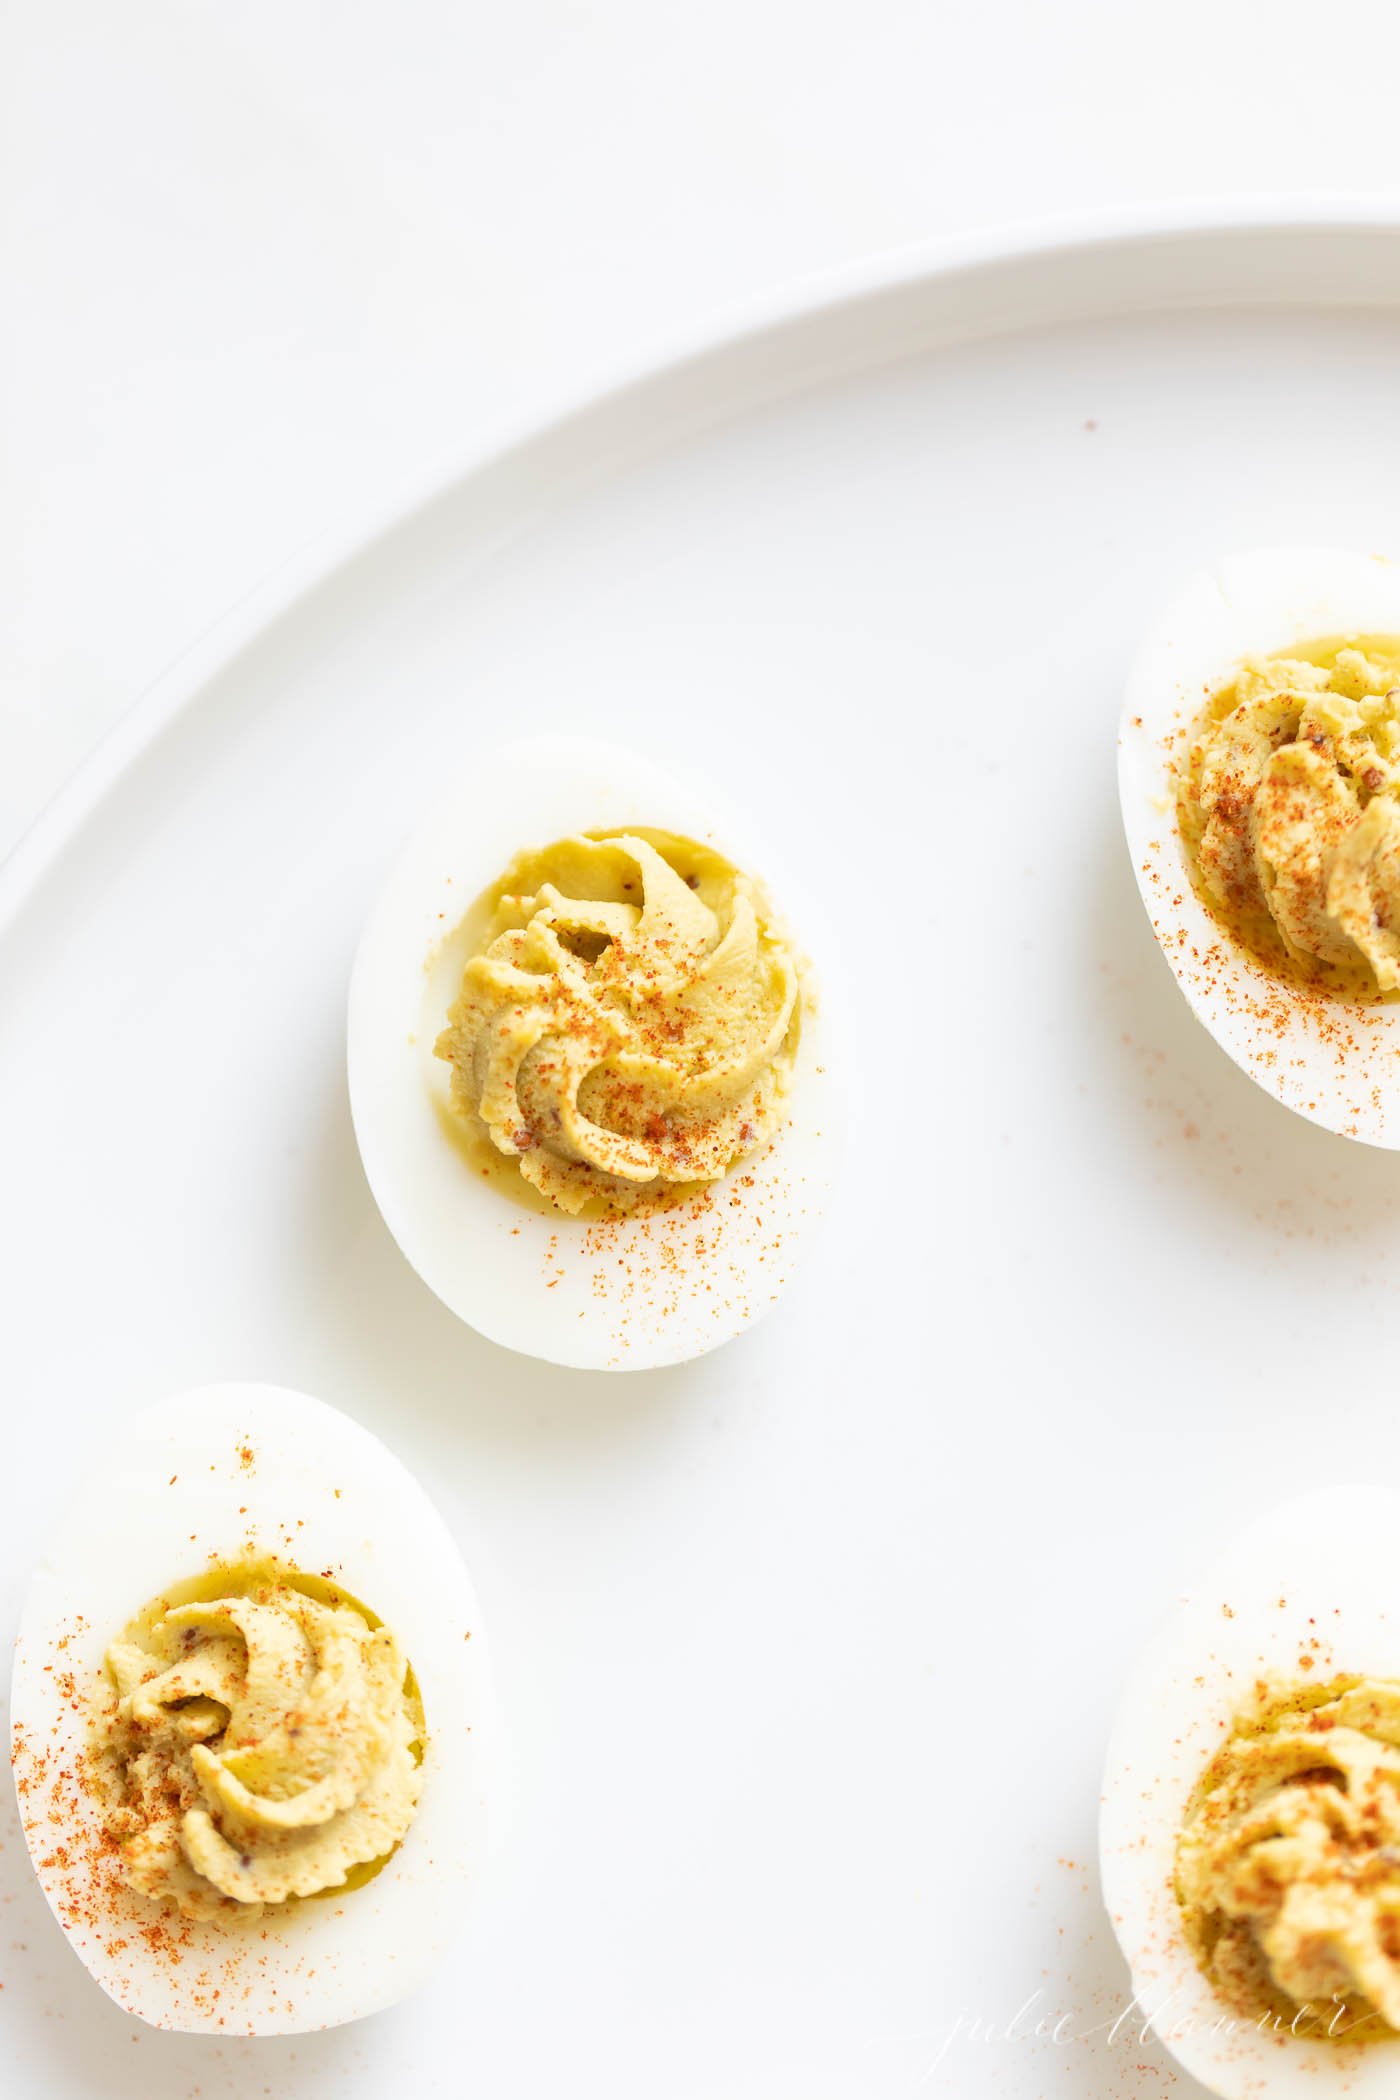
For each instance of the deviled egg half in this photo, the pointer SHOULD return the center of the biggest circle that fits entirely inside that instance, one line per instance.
(1250, 1819)
(252, 1719)
(590, 1070)
(1259, 768)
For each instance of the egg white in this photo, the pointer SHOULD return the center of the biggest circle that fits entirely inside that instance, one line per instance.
(216, 1474)
(1345, 1077)
(631, 1293)
(1320, 1568)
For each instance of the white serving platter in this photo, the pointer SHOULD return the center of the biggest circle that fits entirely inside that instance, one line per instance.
(807, 1649)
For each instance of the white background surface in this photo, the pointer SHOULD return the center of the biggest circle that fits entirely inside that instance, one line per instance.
(263, 263)
(274, 262)
(808, 1649)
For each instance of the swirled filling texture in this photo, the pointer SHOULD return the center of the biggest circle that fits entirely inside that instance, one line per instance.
(1288, 1867)
(630, 1020)
(262, 1747)
(1291, 809)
